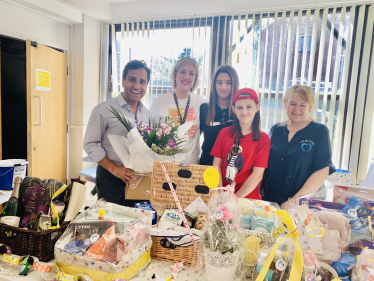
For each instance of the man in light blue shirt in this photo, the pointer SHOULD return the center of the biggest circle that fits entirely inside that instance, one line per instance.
(111, 175)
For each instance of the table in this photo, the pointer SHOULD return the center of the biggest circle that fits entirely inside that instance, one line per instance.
(161, 268)
(157, 267)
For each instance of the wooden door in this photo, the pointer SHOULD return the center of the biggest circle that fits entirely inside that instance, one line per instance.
(1, 134)
(46, 73)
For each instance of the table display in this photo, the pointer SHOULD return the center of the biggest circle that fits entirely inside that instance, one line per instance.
(194, 230)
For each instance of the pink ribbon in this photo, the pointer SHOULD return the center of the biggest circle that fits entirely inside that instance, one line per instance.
(229, 189)
(179, 205)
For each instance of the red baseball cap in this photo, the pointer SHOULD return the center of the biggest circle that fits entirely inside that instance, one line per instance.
(251, 94)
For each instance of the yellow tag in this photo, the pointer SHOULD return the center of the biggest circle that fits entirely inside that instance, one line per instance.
(211, 177)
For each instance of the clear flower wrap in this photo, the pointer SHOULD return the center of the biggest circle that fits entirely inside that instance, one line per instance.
(223, 239)
(136, 155)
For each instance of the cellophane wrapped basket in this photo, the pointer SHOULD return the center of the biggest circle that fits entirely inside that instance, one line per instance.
(106, 246)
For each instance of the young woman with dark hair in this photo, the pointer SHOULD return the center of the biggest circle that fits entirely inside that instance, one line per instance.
(217, 114)
(242, 150)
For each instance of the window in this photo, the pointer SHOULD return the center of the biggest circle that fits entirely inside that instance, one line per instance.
(161, 44)
(270, 55)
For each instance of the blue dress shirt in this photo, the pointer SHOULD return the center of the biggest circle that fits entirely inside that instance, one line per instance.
(102, 123)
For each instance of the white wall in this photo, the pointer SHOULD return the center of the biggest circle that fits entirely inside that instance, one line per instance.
(174, 8)
(85, 88)
(82, 45)
(23, 24)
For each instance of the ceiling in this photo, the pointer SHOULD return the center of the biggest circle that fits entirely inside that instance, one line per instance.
(121, 1)
(71, 11)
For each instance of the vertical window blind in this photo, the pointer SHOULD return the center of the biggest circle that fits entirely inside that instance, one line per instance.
(327, 49)
(273, 51)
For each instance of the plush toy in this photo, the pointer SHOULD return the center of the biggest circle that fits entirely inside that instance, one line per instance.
(200, 221)
(24, 266)
(178, 267)
(344, 265)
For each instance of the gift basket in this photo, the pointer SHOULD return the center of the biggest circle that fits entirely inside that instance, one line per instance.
(223, 239)
(258, 222)
(106, 242)
(40, 210)
(292, 257)
(171, 240)
(348, 239)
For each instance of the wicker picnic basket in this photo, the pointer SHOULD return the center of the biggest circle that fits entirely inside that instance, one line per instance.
(28, 242)
(187, 190)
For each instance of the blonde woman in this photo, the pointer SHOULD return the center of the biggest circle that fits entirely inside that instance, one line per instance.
(218, 113)
(183, 105)
(300, 153)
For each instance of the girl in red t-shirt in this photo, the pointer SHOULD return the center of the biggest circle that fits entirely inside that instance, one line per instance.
(242, 150)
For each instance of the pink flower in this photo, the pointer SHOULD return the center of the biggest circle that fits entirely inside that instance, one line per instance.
(159, 133)
(234, 226)
(225, 213)
(167, 131)
(163, 125)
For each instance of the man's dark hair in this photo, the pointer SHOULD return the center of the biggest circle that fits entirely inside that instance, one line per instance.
(136, 64)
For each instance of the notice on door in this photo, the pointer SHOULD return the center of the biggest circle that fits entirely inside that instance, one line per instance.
(43, 80)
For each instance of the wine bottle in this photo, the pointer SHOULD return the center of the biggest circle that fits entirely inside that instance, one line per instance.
(10, 215)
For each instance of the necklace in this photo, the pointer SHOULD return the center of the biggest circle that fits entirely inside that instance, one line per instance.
(182, 120)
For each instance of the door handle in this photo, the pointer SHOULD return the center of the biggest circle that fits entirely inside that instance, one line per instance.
(40, 113)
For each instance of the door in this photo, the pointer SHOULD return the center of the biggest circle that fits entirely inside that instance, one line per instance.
(46, 74)
(1, 135)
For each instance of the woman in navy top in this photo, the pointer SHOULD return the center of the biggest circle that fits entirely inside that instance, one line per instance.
(218, 113)
(300, 153)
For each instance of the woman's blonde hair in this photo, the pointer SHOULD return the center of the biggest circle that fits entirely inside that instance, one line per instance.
(306, 93)
(181, 63)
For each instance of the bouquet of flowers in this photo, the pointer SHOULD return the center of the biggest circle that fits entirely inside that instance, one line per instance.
(223, 240)
(147, 142)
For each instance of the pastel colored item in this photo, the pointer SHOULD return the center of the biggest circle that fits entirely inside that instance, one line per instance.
(97, 250)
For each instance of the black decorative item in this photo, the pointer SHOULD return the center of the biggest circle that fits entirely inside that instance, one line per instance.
(202, 189)
(166, 186)
(184, 174)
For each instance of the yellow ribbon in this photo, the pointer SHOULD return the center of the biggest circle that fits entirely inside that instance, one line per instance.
(298, 260)
(57, 193)
(11, 259)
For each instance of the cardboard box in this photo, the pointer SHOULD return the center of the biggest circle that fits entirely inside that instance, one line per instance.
(139, 188)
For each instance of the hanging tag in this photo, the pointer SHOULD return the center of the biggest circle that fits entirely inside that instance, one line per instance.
(280, 264)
